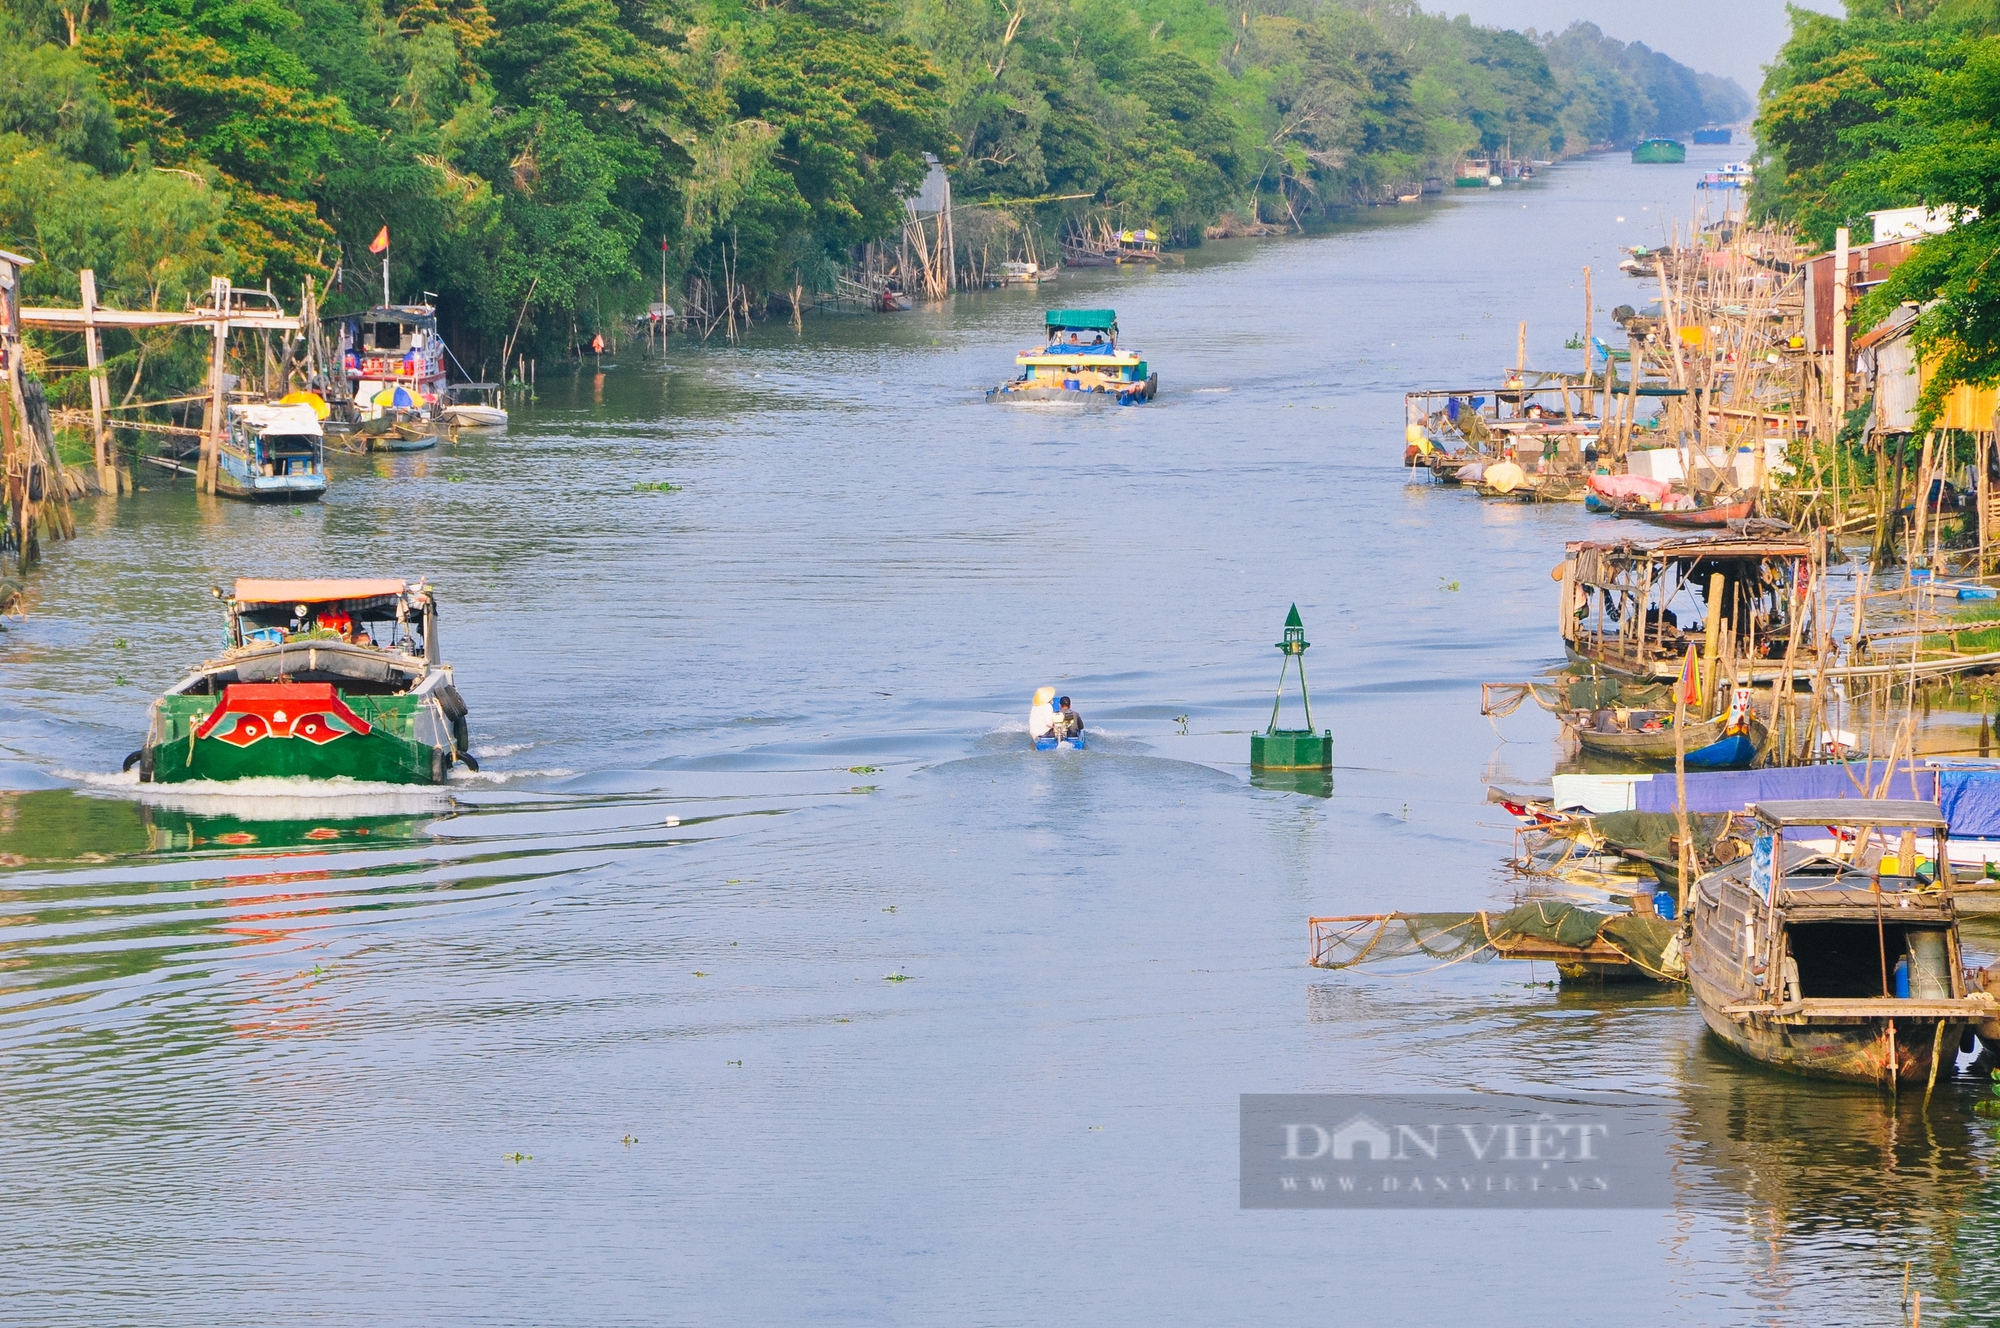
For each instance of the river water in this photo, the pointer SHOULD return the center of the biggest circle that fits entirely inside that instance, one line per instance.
(607, 1034)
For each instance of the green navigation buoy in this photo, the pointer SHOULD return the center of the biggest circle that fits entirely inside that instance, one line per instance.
(1292, 749)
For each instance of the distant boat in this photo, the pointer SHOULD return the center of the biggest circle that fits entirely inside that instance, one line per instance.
(1712, 135)
(1660, 152)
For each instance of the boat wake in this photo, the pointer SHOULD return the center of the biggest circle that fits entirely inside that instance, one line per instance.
(270, 797)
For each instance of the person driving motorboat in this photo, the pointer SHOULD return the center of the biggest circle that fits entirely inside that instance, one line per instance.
(1069, 724)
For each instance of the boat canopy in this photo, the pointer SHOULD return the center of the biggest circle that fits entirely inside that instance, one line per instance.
(410, 315)
(251, 591)
(1856, 812)
(280, 421)
(1082, 320)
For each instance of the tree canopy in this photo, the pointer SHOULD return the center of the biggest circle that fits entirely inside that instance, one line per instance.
(1896, 106)
(533, 160)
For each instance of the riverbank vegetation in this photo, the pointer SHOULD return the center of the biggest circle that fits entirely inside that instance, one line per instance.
(1896, 106)
(553, 162)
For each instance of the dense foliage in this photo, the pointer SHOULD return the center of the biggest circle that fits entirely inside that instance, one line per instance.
(549, 162)
(1896, 106)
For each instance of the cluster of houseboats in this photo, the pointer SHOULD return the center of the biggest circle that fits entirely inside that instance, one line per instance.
(1807, 896)
(391, 391)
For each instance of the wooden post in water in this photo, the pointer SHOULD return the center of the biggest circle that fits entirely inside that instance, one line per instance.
(93, 357)
(1712, 630)
(1915, 553)
(14, 466)
(1588, 373)
(1685, 859)
(218, 414)
(1839, 330)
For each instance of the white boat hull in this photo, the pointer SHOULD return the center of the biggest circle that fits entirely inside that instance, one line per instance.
(475, 417)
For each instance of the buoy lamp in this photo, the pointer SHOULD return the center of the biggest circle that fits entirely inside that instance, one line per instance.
(1292, 749)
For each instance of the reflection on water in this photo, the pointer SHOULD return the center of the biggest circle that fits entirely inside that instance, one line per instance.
(796, 982)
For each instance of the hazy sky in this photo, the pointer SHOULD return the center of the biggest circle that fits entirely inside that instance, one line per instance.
(1735, 38)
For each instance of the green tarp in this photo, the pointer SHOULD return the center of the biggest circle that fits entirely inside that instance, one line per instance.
(1650, 836)
(1083, 320)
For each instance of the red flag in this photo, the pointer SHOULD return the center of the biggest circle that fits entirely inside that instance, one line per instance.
(381, 244)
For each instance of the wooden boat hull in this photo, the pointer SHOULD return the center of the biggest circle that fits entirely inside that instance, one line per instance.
(1708, 748)
(270, 488)
(1850, 1050)
(397, 442)
(1698, 519)
(475, 417)
(408, 741)
(1125, 394)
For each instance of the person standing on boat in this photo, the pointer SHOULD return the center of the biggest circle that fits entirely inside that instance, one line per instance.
(1069, 724)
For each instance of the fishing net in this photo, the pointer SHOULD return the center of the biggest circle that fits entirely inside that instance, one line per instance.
(1555, 920)
(1345, 942)
(1647, 942)
(1559, 696)
(1649, 837)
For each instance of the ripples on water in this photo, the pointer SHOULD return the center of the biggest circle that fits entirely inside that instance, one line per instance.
(754, 747)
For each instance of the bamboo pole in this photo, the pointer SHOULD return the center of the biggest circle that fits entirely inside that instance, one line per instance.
(218, 414)
(93, 354)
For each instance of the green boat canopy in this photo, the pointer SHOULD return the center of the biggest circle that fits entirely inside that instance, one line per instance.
(1082, 320)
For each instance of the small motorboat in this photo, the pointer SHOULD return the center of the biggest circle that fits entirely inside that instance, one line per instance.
(1050, 728)
(481, 411)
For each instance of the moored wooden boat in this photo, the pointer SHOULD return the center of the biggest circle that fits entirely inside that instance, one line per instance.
(474, 406)
(1717, 515)
(323, 679)
(1725, 742)
(1840, 961)
(1628, 607)
(272, 453)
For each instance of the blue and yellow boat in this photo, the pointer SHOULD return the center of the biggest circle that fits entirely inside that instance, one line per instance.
(1080, 354)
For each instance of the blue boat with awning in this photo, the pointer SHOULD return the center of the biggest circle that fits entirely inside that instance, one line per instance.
(1080, 354)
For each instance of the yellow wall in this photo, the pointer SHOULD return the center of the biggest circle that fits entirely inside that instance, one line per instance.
(1967, 407)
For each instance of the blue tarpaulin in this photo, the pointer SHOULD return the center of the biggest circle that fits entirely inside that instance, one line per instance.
(1733, 790)
(1970, 800)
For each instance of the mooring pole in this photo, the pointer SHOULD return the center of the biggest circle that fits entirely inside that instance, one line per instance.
(93, 357)
(218, 415)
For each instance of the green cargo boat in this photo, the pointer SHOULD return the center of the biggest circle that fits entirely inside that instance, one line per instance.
(322, 679)
(1660, 152)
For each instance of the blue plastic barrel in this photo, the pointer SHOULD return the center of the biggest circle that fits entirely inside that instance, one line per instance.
(1903, 978)
(1663, 904)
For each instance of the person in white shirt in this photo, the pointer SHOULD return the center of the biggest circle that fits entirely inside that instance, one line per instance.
(1042, 714)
